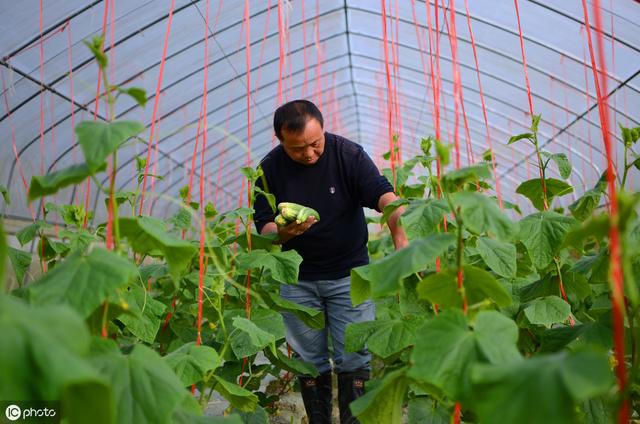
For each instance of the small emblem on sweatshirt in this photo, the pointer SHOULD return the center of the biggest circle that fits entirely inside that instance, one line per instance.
(332, 190)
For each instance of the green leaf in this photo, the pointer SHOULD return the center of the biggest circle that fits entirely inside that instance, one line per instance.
(547, 310)
(523, 136)
(481, 214)
(532, 190)
(283, 266)
(446, 364)
(392, 207)
(629, 135)
(384, 277)
(83, 282)
(385, 337)
(148, 235)
(424, 410)
(313, 318)
(146, 389)
(384, 403)
(181, 219)
(499, 256)
(271, 199)
(3, 252)
(248, 339)
(241, 399)
(582, 208)
(443, 151)
(191, 362)
(597, 335)
(20, 262)
(596, 227)
(535, 121)
(295, 366)
(138, 94)
(99, 139)
(422, 217)
(49, 184)
(43, 356)
(182, 416)
(5, 194)
(96, 47)
(455, 179)
(542, 234)
(542, 389)
(636, 163)
(146, 314)
(562, 162)
(442, 288)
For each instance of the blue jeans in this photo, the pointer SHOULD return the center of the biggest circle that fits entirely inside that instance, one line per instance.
(332, 297)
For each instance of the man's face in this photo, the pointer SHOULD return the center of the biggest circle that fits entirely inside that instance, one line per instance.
(307, 146)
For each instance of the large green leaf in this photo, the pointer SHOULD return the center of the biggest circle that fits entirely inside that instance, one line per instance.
(594, 335)
(146, 389)
(241, 399)
(384, 277)
(20, 261)
(43, 355)
(384, 337)
(149, 235)
(295, 366)
(313, 318)
(283, 266)
(582, 208)
(542, 389)
(542, 234)
(182, 416)
(28, 233)
(424, 410)
(446, 364)
(191, 362)
(442, 288)
(532, 190)
(499, 256)
(145, 313)
(481, 214)
(83, 282)
(384, 403)
(547, 310)
(99, 139)
(576, 287)
(422, 217)
(453, 180)
(49, 184)
(248, 339)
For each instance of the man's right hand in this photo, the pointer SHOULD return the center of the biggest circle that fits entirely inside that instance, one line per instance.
(293, 229)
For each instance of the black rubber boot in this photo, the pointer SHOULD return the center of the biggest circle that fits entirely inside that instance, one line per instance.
(350, 387)
(316, 396)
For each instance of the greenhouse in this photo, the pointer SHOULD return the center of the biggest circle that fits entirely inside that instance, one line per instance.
(279, 211)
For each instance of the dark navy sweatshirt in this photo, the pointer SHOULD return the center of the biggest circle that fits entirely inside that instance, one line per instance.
(338, 186)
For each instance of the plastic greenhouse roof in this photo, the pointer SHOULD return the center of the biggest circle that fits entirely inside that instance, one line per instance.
(348, 82)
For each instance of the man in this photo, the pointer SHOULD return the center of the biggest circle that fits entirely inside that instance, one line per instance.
(337, 178)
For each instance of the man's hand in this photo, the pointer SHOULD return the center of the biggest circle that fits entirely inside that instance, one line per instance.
(398, 235)
(290, 231)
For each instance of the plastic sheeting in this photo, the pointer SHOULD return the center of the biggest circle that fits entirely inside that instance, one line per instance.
(348, 83)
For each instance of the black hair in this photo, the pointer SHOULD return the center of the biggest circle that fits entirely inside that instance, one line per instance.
(293, 116)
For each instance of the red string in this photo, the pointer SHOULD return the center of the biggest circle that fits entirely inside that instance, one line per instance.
(95, 109)
(202, 156)
(389, 90)
(73, 103)
(14, 147)
(617, 281)
(457, 410)
(304, 51)
(484, 108)
(281, 53)
(157, 99)
(111, 207)
(249, 128)
(318, 84)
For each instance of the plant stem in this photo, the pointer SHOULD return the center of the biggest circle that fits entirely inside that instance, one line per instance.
(542, 171)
